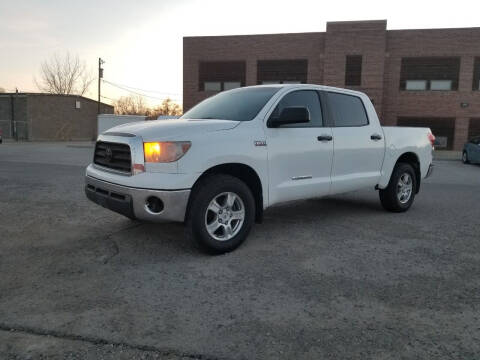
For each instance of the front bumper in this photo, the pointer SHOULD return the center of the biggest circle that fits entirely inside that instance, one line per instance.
(132, 202)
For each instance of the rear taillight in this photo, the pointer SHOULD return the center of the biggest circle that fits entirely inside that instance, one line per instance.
(431, 137)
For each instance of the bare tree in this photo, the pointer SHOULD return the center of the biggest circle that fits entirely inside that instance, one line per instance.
(136, 105)
(167, 107)
(64, 75)
(131, 105)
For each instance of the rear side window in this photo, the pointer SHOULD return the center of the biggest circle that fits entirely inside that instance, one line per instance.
(348, 110)
(304, 98)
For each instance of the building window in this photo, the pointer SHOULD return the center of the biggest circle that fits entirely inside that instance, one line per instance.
(416, 85)
(212, 86)
(353, 70)
(221, 75)
(229, 85)
(282, 71)
(429, 73)
(442, 128)
(476, 74)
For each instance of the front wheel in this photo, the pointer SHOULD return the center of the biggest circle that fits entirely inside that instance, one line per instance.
(399, 194)
(221, 214)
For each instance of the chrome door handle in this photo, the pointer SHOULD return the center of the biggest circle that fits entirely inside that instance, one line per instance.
(324, 138)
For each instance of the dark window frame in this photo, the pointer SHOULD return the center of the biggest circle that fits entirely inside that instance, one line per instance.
(474, 127)
(353, 70)
(271, 70)
(476, 74)
(323, 113)
(428, 63)
(213, 75)
(333, 114)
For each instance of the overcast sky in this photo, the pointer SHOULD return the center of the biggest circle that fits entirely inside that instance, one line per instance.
(141, 41)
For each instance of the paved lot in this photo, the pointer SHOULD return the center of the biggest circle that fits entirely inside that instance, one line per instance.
(320, 279)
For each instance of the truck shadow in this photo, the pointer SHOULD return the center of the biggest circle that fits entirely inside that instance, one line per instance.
(325, 207)
(164, 240)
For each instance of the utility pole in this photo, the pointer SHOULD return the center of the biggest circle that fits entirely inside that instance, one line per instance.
(13, 131)
(100, 76)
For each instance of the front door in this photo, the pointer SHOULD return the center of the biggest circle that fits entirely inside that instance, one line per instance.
(299, 155)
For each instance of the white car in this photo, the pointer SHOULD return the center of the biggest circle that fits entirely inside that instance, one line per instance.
(226, 160)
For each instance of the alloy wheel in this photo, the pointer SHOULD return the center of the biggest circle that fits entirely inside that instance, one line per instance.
(404, 188)
(225, 216)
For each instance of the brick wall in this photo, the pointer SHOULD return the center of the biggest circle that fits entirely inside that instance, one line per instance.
(50, 117)
(56, 118)
(464, 43)
(250, 48)
(382, 52)
(366, 38)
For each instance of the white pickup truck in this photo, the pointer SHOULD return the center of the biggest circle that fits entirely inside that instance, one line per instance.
(225, 161)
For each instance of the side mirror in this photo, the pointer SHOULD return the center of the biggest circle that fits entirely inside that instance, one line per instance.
(290, 115)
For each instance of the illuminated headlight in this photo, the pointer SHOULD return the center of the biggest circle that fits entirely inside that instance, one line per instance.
(165, 151)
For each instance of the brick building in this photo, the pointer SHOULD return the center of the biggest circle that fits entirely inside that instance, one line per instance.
(32, 116)
(414, 77)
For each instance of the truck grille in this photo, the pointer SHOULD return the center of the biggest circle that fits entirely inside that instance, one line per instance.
(113, 156)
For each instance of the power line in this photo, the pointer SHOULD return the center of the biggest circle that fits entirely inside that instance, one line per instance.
(138, 89)
(141, 94)
(138, 93)
(106, 97)
(144, 95)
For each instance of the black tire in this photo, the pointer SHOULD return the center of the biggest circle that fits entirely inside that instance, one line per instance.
(389, 198)
(209, 188)
(465, 158)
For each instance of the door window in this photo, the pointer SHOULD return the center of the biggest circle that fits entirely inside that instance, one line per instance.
(348, 110)
(304, 98)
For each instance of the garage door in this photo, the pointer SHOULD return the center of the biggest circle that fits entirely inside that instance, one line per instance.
(442, 128)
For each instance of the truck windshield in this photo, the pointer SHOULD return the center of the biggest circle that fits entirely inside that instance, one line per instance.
(241, 104)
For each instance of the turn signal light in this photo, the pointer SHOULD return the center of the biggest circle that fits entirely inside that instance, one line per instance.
(165, 151)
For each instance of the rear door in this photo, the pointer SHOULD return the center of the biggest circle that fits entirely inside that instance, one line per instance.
(299, 155)
(359, 146)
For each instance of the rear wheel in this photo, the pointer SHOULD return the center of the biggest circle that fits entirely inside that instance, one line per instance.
(465, 157)
(221, 214)
(398, 196)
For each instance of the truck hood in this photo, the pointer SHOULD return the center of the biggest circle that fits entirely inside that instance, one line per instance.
(178, 129)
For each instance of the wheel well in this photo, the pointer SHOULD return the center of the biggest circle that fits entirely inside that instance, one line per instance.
(412, 159)
(247, 175)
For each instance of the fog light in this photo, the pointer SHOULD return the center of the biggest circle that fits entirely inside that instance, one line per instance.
(154, 205)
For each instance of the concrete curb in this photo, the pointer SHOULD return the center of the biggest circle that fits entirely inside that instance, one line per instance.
(447, 155)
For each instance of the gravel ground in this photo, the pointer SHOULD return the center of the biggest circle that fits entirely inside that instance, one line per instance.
(320, 279)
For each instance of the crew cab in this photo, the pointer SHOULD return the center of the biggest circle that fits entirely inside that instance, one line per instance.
(235, 154)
